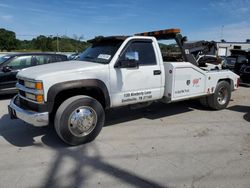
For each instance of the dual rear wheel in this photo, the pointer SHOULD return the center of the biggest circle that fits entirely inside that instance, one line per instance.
(221, 97)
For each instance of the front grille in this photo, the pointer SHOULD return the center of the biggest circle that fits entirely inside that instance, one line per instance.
(24, 104)
(21, 82)
(22, 93)
(27, 105)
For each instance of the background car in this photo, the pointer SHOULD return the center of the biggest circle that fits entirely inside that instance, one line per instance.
(74, 56)
(229, 62)
(245, 73)
(11, 64)
(239, 62)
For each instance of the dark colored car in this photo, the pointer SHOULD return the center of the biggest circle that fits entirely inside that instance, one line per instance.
(241, 64)
(243, 70)
(245, 73)
(11, 64)
(229, 62)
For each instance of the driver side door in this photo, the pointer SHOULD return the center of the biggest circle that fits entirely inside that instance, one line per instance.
(137, 84)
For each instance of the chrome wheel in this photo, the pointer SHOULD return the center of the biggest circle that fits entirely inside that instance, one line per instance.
(82, 121)
(222, 95)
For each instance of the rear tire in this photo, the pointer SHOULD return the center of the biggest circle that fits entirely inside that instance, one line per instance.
(221, 97)
(79, 120)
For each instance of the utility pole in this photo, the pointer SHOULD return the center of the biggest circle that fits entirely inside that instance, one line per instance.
(57, 43)
(222, 32)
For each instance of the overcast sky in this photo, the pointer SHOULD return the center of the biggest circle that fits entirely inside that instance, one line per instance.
(207, 19)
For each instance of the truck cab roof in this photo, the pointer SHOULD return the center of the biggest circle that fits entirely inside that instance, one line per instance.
(107, 39)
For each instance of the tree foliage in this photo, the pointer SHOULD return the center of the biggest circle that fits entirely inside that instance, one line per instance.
(169, 47)
(62, 44)
(8, 40)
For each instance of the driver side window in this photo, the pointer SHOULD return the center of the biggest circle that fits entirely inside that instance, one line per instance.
(145, 51)
(20, 62)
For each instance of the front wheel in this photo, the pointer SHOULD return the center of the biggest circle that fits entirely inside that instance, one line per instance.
(79, 120)
(221, 97)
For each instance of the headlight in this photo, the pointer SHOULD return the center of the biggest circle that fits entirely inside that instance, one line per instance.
(33, 85)
(30, 84)
(36, 92)
(30, 96)
(38, 98)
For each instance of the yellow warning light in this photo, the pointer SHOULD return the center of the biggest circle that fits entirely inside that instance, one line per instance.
(161, 34)
(172, 31)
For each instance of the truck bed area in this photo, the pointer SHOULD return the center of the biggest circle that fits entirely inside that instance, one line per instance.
(186, 80)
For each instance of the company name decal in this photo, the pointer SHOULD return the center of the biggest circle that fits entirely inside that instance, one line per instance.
(137, 96)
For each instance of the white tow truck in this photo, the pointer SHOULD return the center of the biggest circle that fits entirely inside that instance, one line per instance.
(114, 72)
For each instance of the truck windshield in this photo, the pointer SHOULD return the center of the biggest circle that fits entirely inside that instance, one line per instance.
(101, 52)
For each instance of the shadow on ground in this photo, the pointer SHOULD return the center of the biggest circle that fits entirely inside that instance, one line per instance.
(78, 176)
(88, 156)
(243, 109)
(25, 135)
(21, 134)
(5, 97)
(155, 111)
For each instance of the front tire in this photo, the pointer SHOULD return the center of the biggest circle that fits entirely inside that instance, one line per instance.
(79, 120)
(221, 97)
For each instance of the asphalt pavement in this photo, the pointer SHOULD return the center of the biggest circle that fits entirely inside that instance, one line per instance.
(175, 145)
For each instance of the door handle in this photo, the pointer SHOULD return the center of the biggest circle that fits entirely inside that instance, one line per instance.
(157, 72)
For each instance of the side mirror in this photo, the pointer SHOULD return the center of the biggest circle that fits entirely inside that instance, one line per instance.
(131, 61)
(127, 64)
(132, 56)
(6, 69)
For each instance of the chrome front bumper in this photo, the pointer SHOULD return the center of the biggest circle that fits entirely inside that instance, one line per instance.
(35, 118)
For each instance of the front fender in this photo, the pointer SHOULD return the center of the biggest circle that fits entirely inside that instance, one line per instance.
(76, 84)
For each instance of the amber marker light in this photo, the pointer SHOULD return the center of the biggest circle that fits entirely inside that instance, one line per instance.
(39, 98)
(39, 85)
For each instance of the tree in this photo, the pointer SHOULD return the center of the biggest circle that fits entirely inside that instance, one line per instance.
(77, 42)
(43, 43)
(8, 40)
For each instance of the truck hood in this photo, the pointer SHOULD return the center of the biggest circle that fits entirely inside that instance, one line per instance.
(61, 68)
